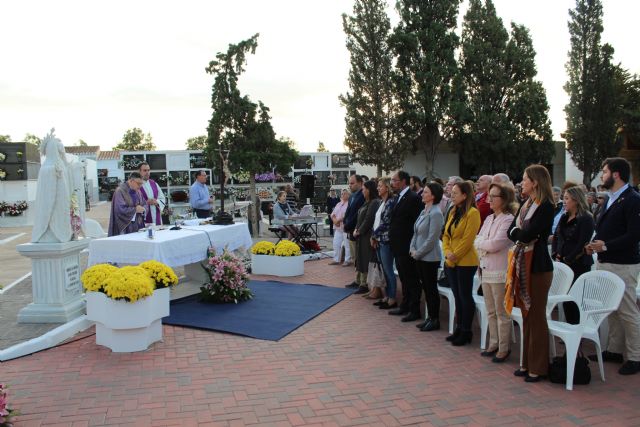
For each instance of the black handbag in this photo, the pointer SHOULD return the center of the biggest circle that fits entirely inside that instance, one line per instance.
(581, 372)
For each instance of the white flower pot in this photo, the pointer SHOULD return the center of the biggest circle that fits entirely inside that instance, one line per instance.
(285, 266)
(126, 327)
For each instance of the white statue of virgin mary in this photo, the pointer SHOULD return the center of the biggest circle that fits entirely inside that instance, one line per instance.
(52, 223)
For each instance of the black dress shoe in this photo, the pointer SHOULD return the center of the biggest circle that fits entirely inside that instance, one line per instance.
(453, 336)
(379, 303)
(537, 378)
(497, 359)
(422, 324)
(387, 306)
(630, 367)
(432, 325)
(352, 285)
(411, 317)
(464, 338)
(608, 356)
(362, 290)
(490, 353)
(521, 373)
(398, 312)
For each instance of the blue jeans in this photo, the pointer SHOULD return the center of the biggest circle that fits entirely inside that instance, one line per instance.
(386, 259)
(461, 282)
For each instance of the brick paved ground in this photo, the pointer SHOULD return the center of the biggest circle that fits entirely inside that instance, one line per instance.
(352, 365)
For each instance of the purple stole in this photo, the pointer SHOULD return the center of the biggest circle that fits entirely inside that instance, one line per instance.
(154, 188)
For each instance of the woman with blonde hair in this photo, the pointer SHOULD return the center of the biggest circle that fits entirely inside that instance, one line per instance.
(492, 244)
(573, 233)
(461, 259)
(380, 243)
(530, 270)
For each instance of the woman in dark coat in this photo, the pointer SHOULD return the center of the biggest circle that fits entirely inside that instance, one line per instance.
(530, 270)
(362, 233)
(573, 233)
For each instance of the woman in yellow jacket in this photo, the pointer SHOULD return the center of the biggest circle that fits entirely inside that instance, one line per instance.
(461, 259)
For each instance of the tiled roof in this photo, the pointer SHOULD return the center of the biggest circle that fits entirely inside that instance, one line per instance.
(82, 149)
(109, 155)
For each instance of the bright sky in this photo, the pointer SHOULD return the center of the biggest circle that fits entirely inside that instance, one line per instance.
(93, 70)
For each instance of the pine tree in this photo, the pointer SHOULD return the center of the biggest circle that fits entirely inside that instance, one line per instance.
(592, 110)
(424, 42)
(371, 106)
(500, 112)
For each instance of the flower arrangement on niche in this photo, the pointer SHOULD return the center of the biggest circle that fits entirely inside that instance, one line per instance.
(19, 155)
(228, 279)
(3, 174)
(129, 283)
(14, 209)
(6, 413)
(3, 156)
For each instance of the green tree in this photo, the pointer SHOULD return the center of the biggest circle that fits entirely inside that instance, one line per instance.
(197, 142)
(424, 42)
(500, 112)
(628, 96)
(321, 147)
(32, 139)
(592, 110)
(135, 140)
(82, 143)
(5, 138)
(240, 131)
(370, 103)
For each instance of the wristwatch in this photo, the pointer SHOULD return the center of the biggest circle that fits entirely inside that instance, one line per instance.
(604, 247)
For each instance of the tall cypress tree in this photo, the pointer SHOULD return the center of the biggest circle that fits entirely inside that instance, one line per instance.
(592, 110)
(371, 107)
(500, 112)
(424, 42)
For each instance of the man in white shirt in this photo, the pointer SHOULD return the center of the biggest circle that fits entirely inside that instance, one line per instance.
(152, 195)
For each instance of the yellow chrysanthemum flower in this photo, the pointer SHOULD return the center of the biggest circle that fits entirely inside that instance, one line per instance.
(160, 273)
(263, 248)
(130, 283)
(287, 248)
(94, 278)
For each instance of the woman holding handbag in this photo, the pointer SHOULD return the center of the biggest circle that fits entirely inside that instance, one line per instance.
(380, 243)
(530, 270)
(425, 249)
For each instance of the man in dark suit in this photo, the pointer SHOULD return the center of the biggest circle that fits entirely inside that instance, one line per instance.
(616, 243)
(403, 217)
(356, 200)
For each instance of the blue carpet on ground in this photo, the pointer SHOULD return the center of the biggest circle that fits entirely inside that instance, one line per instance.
(276, 310)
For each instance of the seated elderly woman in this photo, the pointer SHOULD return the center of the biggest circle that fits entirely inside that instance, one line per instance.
(282, 210)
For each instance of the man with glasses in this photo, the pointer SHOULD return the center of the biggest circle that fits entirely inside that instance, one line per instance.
(127, 207)
(199, 198)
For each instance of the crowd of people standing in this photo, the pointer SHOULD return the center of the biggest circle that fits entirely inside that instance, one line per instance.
(505, 235)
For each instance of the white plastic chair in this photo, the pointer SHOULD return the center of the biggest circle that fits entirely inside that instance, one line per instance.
(597, 294)
(560, 284)
(93, 229)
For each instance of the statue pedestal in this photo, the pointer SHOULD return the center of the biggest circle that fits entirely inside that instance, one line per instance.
(57, 291)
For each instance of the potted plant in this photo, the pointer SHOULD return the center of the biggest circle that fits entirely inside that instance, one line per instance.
(227, 279)
(284, 259)
(128, 303)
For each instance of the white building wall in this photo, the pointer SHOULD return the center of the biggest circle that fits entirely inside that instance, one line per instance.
(446, 165)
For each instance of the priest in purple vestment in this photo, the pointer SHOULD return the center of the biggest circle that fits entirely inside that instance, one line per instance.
(127, 207)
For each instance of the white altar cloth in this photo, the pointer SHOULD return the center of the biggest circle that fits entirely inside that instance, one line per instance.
(171, 247)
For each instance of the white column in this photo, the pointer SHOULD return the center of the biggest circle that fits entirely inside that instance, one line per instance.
(57, 291)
